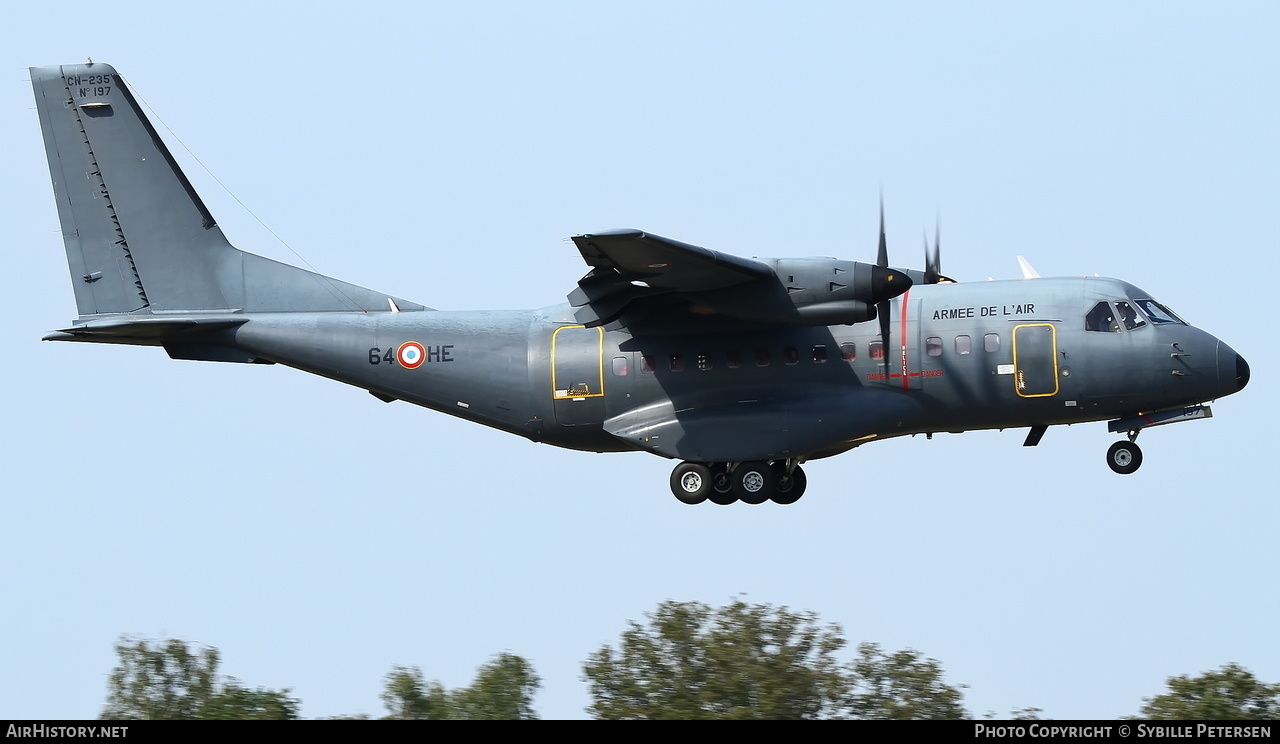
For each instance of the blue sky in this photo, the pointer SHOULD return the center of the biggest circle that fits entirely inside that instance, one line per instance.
(444, 153)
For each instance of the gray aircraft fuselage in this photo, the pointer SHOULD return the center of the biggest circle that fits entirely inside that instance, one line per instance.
(742, 369)
(798, 386)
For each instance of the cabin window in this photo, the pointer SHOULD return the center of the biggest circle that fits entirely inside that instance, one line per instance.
(733, 359)
(964, 345)
(819, 354)
(1130, 316)
(849, 351)
(620, 367)
(991, 342)
(646, 364)
(790, 355)
(1158, 313)
(933, 346)
(677, 362)
(704, 362)
(1101, 319)
(877, 350)
(762, 357)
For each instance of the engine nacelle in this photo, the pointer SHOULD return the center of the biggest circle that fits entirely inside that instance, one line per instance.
(810, 292)
(816, 281)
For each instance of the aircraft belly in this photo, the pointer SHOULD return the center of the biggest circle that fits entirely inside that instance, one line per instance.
(824, 418)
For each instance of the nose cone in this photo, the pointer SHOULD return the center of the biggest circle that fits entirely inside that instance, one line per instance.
(1233, 370)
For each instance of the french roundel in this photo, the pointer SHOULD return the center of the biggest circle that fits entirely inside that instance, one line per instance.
(411, 355)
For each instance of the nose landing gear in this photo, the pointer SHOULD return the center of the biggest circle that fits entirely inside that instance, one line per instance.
(1124, 457)
(723, 483)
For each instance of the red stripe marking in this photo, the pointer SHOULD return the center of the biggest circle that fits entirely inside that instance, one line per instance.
(906, 381)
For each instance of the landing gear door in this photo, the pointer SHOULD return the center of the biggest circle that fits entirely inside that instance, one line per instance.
(577, 375)
(1035, 360)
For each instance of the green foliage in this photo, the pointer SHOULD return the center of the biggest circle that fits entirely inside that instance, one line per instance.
(166, 680)
(502, 691)
(409, 697)
(236, 703)
(741, 661)
(1231, 693)
(756, 662)
(1018, 714)
(901, 686)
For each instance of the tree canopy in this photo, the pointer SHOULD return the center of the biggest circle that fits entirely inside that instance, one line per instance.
(744, 661)
(901, 686)
(409, 697)
(687, 661)
(167, 680)
(1231, 693)
(502, 691)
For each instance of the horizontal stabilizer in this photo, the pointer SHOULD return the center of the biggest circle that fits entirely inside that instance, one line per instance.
(142, 328)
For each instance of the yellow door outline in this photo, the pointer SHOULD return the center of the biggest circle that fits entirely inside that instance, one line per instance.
(575, 389)
(1019, 376)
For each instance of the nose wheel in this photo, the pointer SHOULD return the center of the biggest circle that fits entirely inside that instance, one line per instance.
(1124, 457)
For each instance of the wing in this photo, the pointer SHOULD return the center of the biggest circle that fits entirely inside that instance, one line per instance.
(663, 263)
(652, 284)
(645, 281)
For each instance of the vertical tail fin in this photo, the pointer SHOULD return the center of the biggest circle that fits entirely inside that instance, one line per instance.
(138, 237)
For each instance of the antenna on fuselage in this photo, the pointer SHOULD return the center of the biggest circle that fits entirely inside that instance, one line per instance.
(1028, 272)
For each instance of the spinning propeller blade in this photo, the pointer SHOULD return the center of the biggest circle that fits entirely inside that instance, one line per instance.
(882, 308)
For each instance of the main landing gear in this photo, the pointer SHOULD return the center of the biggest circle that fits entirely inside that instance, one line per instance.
(755, 482)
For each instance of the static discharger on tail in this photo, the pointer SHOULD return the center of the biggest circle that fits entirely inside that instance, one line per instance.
(740, 369)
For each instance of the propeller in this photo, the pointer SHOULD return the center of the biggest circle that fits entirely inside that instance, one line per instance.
(900, 281)
(933, 261)
(882, 308)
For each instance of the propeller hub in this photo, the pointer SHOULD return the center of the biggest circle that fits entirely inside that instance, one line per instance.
(887, 283)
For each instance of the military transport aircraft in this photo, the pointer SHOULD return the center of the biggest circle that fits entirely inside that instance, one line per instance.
(740, 369)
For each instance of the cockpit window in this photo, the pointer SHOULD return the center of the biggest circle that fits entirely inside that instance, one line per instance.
(1130, 316)
(1101, 318)
(1158, 313)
